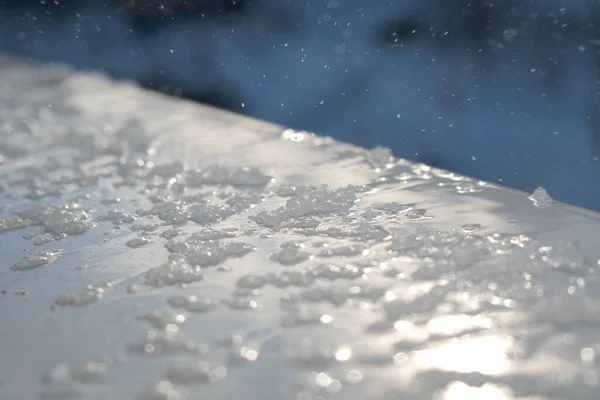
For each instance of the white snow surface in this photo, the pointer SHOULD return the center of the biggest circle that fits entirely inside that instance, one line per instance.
(269, 264)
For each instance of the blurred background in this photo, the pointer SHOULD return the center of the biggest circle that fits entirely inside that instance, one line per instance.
(503, 91)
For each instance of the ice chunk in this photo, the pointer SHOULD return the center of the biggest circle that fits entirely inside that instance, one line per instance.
(208, 253)
(192, 303)
(118, 217)
(68, 219)
(315, 352)
(290, 256)
(167, 170)
(304, 315)
(189, 372)
(8, 224)
(175, 270)
(164, 390)
(248, 176)
(540, 198)
(345, 251)
(209, 213)
(163, 318)
(137, 242)
(166, 341)
(35, 260)
(171, 213)
(252, 282)
(309, 201)
(333, 272)
(220, 175)
(211, 234)
(83, 297)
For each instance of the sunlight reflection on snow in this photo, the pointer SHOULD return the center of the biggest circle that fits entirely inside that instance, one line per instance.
(485, 355)
(461, 391)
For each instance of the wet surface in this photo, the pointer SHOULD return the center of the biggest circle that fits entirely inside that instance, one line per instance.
(155, 249)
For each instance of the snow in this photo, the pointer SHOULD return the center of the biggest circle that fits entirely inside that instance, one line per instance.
(274, 268)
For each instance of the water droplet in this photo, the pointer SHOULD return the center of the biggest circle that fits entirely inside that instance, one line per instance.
(470, 228)
(132, 288)
(343, 354)
(588, 356)
(58, 373)
(354, 376)
(323, 380)
(242, 354)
